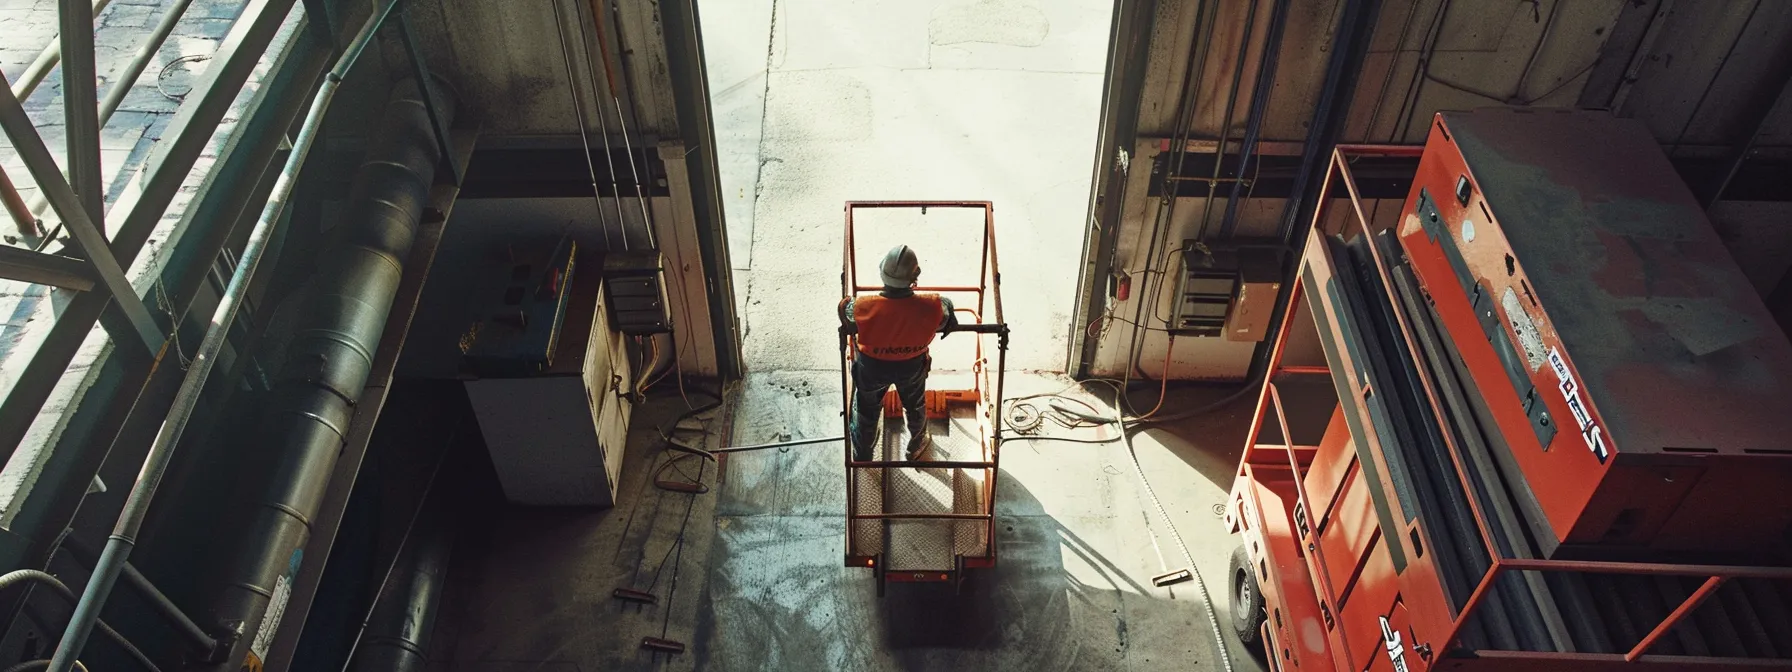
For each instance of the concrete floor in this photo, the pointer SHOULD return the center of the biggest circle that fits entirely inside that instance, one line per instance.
(759, 581)
(818, 102)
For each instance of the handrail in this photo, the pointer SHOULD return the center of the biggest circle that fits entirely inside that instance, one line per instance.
(1715, 577)
(997, 328)
(920, 464)
(966, 289)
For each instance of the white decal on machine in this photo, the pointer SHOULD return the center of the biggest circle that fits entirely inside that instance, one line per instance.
(1583, 418)
(1395, 646)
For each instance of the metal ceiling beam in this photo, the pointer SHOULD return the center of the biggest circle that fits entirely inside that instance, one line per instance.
(117, 417)
(186, 399)
(80, 108)
(68, 205)
(186, 138)
(55, 270)
(121, 87)
(420, 71)
(1774, 90)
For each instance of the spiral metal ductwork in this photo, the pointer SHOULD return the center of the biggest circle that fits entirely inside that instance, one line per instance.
(397, 638)
(328, 359)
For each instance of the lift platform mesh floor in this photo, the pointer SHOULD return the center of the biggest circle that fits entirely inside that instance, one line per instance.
(923, 544)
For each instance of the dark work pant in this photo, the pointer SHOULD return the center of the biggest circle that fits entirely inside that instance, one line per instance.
(870, 378)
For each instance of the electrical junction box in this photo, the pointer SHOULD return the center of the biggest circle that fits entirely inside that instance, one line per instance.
(635, 283)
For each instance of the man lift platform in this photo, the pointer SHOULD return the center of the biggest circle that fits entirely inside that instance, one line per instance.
(932, 518)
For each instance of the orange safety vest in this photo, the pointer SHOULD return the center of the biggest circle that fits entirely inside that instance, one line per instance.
(897, 329)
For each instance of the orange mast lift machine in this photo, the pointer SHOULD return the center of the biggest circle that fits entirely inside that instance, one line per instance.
(1539, 421)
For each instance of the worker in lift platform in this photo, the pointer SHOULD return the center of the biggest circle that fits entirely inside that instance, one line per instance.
(895, 328)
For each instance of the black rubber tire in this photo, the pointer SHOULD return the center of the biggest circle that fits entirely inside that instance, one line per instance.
(1248, 612)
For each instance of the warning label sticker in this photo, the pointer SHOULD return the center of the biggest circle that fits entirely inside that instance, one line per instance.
(270, 621)
(1583, 418)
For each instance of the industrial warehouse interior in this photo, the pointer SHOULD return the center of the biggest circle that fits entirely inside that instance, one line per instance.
(577, 335)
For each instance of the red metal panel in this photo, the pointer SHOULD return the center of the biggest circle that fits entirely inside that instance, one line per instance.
(1360, 617)
(1347, 534)
(1399, 646)
(1297, 630)
(1525, 661)
(1643, 339)
(1335, 459)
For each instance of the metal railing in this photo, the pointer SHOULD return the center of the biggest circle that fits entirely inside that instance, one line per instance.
(986, 296)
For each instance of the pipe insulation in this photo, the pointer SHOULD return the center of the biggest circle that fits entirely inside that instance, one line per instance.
(327, 362)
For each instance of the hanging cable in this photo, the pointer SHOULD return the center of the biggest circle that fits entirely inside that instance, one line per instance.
(622, 120)
(578, 108)
(603, 130)
(603, 48)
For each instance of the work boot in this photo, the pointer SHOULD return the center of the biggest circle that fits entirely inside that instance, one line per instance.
(918, 444)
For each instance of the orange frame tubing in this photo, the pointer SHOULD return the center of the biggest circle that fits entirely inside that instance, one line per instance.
(989, 277)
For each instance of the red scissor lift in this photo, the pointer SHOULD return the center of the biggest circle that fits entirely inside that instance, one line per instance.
(1437, 533)
(930, 520)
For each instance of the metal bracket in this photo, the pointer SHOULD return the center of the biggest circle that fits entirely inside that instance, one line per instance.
(420, 70)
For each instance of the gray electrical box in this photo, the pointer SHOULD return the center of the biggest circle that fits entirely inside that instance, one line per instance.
(635, 283)
(557, 436)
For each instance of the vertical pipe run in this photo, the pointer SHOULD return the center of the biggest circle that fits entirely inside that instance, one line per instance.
(329, 358)
(155, 464)
(1253, 125)
(578, 110)
(1225, 134)
(603, 123)
(157, 600)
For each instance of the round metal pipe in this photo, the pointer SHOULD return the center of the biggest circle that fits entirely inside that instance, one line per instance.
(397, 627)
(19, 576)
(155, 464)
(159, 601)
(578, 109)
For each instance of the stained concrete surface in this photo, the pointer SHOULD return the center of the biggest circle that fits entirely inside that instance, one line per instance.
(760, 582)
(1077, 542)
(530, 588)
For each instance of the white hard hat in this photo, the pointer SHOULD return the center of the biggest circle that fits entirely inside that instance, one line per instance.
(900, 267)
